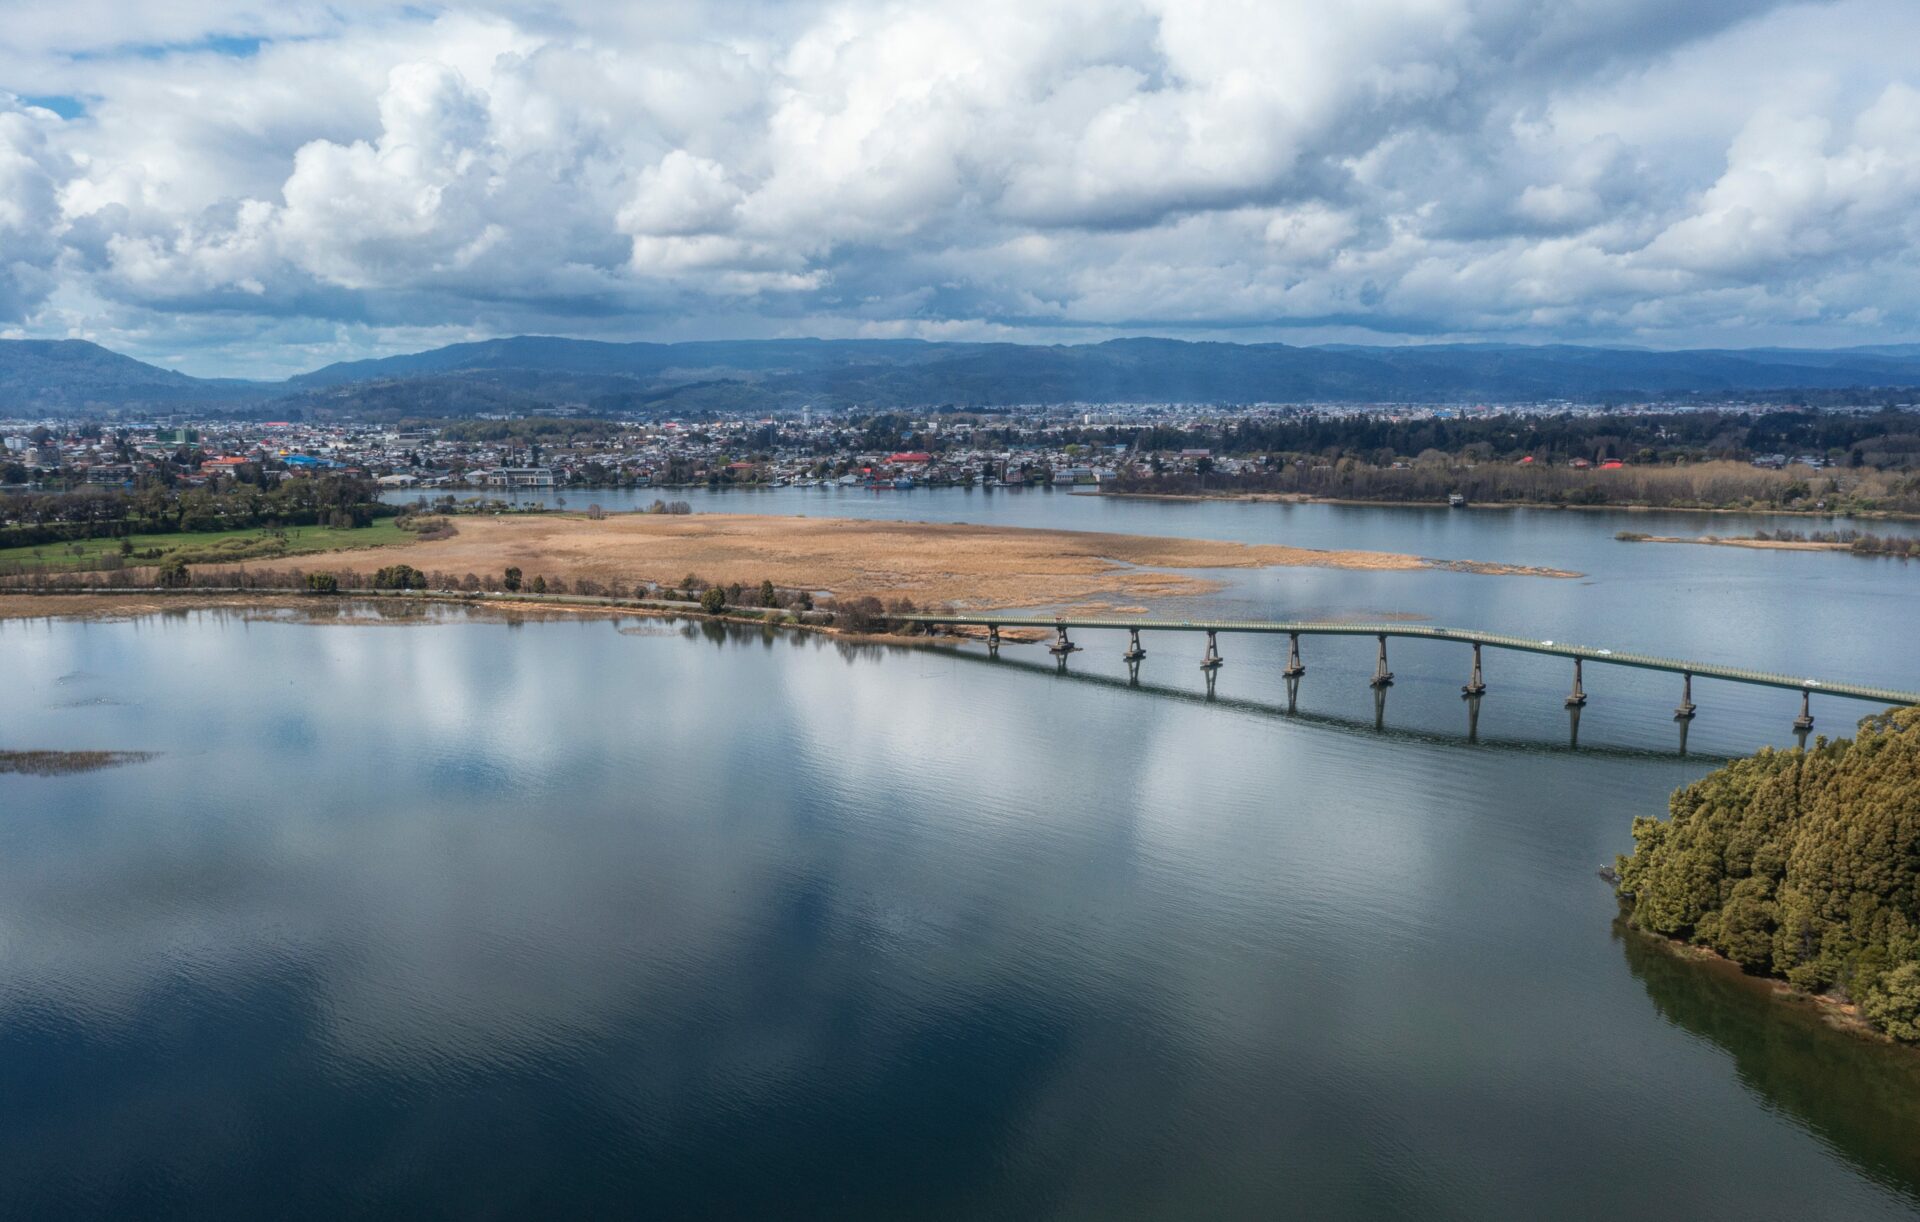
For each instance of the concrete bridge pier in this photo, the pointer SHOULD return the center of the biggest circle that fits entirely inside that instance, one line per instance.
(1294, 667)
(1804, 722)
(1134, 651)
(993, 640)
(1382, 677)
(1685, 711)
(1476, 686)
(1213, 661)
(1062, 647)
(1578, 696)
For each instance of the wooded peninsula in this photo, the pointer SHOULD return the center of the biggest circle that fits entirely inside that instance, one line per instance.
(1799, 865)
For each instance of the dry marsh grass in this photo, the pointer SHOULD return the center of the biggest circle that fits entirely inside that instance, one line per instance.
(967, 566)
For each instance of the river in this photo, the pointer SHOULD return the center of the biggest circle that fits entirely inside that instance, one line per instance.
(421, 915)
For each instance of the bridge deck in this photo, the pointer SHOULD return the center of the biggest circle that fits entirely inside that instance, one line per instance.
(1611, 657)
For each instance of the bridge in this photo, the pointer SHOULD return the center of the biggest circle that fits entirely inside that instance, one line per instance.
(1063, 646)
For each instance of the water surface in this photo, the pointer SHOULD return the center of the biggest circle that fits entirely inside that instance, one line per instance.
(441, 917)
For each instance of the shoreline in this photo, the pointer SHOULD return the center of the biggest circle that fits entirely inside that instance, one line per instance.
(111, 604)
(1835, 1014)
(1287, 498)
(1304, 498)
(1766, 545)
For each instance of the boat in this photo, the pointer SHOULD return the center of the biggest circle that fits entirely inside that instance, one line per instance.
(1456, 501)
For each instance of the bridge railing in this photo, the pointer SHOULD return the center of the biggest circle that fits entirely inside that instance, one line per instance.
(1495, 640)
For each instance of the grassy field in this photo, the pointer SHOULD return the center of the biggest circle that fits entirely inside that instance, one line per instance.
(207, 547)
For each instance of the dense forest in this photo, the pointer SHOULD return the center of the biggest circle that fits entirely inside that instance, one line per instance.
(1803, 865)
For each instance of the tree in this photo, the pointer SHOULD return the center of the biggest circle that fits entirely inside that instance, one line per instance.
(512, 580)
(323, 583)
(769, 597)
(399, 577)
(173, 575)
(714, 600)
(539, 585)
(859, 615)
(1895, 1005)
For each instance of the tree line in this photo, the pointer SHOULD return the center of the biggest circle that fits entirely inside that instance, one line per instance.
(1861, 542)
(29, 519)
(1883, 440)
(860, 614)
(1721, 485)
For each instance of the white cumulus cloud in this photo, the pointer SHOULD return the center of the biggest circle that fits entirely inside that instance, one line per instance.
(350, 176)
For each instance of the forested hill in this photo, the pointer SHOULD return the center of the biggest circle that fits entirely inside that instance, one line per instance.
(528, 373)
(64, 375)
(724, 375)
(1800, 865)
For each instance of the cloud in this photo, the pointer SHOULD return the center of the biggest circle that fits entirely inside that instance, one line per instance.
(1624, 170)
(31, 170)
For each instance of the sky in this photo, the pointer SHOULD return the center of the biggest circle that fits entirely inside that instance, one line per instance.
(258, 187)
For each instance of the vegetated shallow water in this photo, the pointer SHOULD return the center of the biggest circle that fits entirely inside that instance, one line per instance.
(452, 917)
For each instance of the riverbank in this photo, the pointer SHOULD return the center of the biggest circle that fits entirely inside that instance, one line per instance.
(390, 607)
(1303, 498)
(1835, 1013)
(1853, 542)
(1771, 545)
(968, 566)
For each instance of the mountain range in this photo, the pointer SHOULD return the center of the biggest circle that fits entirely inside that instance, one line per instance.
(532, 373)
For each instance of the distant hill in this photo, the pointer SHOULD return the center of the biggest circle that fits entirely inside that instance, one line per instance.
(551, 354)
(531, 373)
(908, 373)
(75, 375)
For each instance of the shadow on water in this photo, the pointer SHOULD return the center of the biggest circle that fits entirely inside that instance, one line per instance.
(721, 633)
(1859, 1097)
(61, 763)
(1375, 727)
